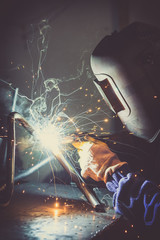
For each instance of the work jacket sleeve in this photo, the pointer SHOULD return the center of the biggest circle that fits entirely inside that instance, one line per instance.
(135, 197)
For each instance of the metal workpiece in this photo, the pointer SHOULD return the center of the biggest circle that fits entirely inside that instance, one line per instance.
(91, 197)
(7, 188)
(76, 177)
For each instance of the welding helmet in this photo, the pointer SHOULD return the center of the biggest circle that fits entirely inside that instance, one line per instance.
(127, 69)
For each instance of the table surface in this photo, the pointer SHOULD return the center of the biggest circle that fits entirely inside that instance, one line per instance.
(47, 211)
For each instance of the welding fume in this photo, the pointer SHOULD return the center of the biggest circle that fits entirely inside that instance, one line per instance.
(126, 66)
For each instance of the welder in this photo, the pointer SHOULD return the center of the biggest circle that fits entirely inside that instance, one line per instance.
(126, 66)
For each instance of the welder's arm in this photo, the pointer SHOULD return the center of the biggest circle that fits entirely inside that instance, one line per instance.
(134, 197)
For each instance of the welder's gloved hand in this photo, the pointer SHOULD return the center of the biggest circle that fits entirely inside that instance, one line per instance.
(97, 160)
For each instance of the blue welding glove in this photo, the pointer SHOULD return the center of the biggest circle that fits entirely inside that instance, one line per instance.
(97, 160)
